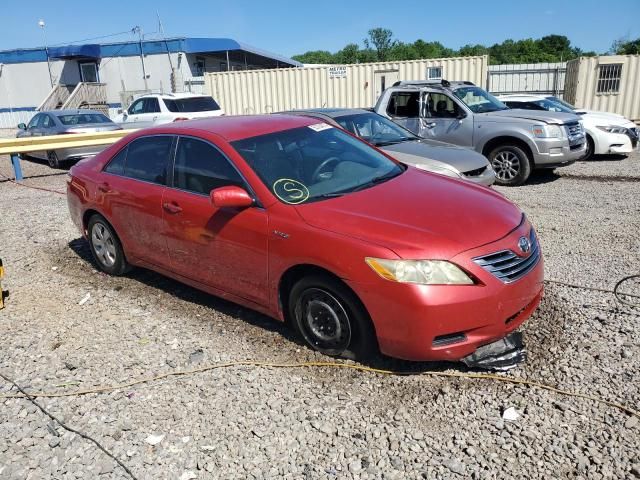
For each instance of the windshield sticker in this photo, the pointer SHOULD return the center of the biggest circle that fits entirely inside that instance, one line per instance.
(318, 127)
(290, 191)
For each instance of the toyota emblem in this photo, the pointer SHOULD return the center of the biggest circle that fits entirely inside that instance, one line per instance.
(524, 244)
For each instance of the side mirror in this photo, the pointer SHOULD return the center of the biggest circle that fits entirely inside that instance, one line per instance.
(231, 196)
(120, 111)
(461, 115)
(22, 126)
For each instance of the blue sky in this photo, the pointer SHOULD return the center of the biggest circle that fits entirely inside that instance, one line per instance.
(290, 27)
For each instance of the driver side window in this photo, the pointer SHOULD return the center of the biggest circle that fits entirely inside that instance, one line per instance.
(404, 104)
(35, 122)
(137, 107)
(439, 105)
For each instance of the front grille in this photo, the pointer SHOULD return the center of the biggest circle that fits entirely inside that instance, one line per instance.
(508, 266)
(573, 129)
(632, 133)
(475, 173)
(448, 339)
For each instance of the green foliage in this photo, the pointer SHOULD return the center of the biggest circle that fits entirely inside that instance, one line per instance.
(380, 46)
(626, 47)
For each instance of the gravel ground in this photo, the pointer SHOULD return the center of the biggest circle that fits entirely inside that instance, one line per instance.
(322, 423)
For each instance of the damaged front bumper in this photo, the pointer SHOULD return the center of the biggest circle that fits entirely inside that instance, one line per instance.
(502, 355)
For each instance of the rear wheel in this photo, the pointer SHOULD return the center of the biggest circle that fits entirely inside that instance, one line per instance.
(331, 319)
(106, 247)
(52, 158)
(511, 164)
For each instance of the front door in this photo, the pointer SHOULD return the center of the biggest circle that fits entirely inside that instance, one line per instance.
(132, 187)
(225, 248)
(442, 118)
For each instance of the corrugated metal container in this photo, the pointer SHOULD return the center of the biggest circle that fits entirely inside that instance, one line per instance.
(540, 78)
(610, 83)
(358, 85)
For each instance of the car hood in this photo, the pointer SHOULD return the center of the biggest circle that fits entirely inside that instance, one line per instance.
(430, 153)
(418, 215)
(604, 118)
(537, 115)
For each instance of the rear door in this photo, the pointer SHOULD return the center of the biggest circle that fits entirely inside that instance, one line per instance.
(442, 118)
(225, 248)
(404, 109)
(131, 191)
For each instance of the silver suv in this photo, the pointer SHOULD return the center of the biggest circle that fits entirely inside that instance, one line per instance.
(515, 141)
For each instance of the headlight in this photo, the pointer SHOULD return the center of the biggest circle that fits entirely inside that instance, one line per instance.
(423, 272)
(449, 172)
(547, 131)
(612, 129)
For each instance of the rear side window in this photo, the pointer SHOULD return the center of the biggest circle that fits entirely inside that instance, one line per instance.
(404, 104)
(192, 104)
(151, 105)
(116, 164)
(148, 158)
(200, 167)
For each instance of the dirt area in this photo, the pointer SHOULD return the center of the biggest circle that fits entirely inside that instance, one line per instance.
(312, 423)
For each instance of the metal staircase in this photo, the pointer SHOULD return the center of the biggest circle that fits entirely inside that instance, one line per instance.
(83, 95)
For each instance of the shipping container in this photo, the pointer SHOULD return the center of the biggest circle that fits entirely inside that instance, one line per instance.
(357, 85)
(609, 83)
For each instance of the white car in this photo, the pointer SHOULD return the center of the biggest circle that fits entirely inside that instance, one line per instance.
(606, 132)
(158, 108)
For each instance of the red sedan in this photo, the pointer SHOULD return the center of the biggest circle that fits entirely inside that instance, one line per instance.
(312, 226)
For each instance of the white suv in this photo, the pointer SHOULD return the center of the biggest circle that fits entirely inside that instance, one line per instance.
(606, 132)
(157, 108)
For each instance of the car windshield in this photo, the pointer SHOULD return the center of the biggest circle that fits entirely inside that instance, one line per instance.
(479, 100)
(315, 162)
(191, 104)
(552, 106)
(83, 118)
(562, 102)
(375, 129)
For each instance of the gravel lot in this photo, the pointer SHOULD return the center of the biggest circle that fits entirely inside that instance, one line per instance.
(250, 422)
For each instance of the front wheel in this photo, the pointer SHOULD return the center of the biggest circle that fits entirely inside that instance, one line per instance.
(106, 247)
(511, 164)
(52, 159)
(588, 154)
(331, 319)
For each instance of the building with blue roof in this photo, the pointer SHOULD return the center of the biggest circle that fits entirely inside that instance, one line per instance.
(116, 72)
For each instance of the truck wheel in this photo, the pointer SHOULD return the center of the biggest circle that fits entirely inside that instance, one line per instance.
(511, 164)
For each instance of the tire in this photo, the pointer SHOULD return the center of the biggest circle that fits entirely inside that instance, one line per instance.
(345, 329)
(590, 149)
(52, 158)
(106, 247)
(511, 164)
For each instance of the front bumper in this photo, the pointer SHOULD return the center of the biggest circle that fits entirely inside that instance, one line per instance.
(557, 152)
(446, 322)
(486, 178)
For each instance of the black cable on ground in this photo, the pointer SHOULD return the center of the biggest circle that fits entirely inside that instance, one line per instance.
(11, 180)
(615, 290)
(66, 427)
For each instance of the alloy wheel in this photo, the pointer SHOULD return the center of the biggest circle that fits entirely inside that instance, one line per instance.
(103, 244)
(506, 165)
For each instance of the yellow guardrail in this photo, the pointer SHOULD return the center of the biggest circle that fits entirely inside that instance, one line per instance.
(15, 146)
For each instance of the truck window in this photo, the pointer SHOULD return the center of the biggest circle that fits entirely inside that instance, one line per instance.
(439, 105)
(404, 104)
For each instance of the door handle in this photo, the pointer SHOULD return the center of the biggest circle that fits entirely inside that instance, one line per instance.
(104, 187)
(430, 125)
(172, 207)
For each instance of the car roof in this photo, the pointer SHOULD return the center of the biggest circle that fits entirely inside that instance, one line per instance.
(528, 96)
(239, 127)
(174, 96)
(59, 113)
(332, 112)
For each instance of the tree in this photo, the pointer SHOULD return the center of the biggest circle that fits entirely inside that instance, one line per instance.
(382, 40)
(625, 47)
(315, 56)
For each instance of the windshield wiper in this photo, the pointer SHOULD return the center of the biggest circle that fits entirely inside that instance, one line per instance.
(393, 142)
(375, 181)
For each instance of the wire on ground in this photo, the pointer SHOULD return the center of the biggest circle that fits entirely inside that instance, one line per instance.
(361, 368)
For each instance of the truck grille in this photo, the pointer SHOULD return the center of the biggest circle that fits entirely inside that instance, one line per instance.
(509, 267)
(573, 129)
